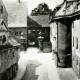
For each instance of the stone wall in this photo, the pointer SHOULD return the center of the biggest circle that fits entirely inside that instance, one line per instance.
(76, 47)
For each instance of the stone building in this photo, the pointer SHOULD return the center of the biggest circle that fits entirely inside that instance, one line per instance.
(9, 48)
(37, 24)
(65, 23)
(17, 17)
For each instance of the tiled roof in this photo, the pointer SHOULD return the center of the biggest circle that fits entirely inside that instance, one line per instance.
(17, 13)
(66, 10)
(32, 23)
(42, 20)
(13, 42)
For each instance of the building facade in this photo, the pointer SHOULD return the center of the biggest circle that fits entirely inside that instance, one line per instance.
(3, 21)
(67, 22)
(9, 48)
(17, 17)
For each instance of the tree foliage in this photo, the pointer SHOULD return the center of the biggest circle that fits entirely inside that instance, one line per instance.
(42, 9)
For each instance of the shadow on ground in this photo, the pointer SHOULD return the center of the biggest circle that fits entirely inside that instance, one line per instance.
(30, 73)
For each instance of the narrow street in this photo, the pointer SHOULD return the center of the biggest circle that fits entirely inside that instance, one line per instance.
(40, 66)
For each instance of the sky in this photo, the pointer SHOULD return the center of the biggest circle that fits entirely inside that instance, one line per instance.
(33, 3)
(51, 3)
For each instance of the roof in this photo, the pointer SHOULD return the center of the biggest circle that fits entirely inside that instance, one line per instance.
(32, 23)
(17, 13)
(13, 42)
(42, 20)
(67, 12)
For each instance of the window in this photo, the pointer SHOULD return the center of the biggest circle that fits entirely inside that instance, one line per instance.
(33, 31)
(16, 33)
(77, 62)
(20, 32)
(73, 41)
(76, 43)
(1, 9)
(29, 31)
(0, 60)
(51, 30)
(13, 53)
(8, 55)
(54, 38)
(73, 25)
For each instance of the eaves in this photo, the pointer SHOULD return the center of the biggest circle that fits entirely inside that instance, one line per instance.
(75, 15)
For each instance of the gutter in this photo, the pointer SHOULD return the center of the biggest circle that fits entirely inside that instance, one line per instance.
(67, 16)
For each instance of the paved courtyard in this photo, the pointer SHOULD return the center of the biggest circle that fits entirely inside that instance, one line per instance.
(41, 66)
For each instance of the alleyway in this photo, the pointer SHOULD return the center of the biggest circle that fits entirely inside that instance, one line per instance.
(40, 66)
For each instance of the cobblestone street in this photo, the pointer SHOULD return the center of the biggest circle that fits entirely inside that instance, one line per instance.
(41, 66)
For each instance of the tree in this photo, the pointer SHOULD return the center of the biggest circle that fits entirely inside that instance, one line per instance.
(42, 9)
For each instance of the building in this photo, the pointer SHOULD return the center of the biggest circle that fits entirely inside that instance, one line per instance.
(9, 48)
(65, 23)
(3, 21)
(17, 17)
(37, 24)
